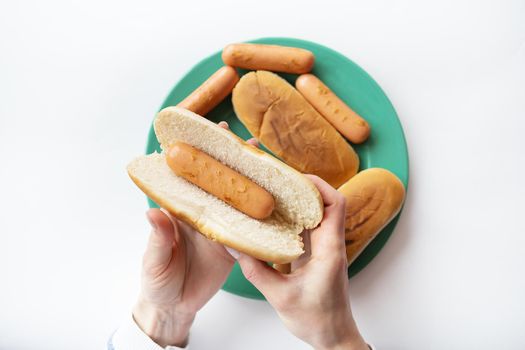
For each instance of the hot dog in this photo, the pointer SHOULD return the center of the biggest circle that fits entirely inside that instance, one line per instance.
(268, 57)
(276, 238)
(211, 92)
(219, 180)
(338, 113)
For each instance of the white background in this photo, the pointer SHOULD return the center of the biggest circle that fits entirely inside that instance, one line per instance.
(81, 80)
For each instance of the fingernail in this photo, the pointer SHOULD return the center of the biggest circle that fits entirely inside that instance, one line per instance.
(153, 224)
(235, 254)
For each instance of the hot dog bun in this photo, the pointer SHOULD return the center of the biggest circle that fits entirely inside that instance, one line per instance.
(283, 121)
(298, 204)
(373, 198)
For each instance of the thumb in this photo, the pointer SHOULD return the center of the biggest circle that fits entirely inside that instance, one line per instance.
(160, 244)
(267, 280)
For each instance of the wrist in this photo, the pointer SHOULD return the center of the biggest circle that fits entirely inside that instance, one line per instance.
(358, 344)
(349, 344)
(163, 324)
(341, 336)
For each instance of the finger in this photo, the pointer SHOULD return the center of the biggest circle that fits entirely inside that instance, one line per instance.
(233, 253)
(268, 281)
(253, 141)
(159, 250)
(224, 125)
(305, 257)
(328, 193)
(328, 238)
(178, 225)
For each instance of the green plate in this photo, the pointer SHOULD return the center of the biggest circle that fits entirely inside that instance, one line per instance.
(386, 147)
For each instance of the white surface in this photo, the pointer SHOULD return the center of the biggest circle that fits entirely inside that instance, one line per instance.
(80, 81)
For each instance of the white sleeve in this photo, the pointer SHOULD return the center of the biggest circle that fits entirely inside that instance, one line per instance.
(371, 346)
(130, 337)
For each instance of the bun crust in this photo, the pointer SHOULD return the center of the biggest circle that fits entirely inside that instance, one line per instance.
(280, 117)
(373, 198)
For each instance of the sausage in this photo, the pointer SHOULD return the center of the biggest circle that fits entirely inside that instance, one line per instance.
(338, 113)
(285, 123)
(268, 57)
(212, 91)
(219, 180)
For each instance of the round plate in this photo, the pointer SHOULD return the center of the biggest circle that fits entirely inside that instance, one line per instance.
(386, 147)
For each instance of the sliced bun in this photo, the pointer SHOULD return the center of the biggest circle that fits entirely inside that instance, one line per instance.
(298, 203)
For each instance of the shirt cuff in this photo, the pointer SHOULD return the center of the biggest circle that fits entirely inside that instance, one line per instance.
(130, 337)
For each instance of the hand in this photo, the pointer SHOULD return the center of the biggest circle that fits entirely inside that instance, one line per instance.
(181, 271)
(313, 300)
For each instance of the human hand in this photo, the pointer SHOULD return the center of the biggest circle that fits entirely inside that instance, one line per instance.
(313, 300)
(181, 271)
